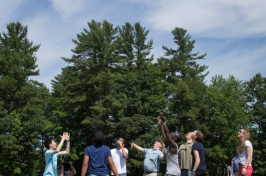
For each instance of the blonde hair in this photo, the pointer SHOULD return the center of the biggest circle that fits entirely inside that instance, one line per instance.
(242, 141)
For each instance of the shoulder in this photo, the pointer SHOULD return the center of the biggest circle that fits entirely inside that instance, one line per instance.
(248, 143)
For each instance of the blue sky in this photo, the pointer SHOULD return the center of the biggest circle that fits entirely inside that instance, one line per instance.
(231, 32)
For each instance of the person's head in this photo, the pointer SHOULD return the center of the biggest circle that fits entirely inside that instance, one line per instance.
(98, 138)
(243, 135)
(49, 143)
(176, 137)
(197, 135)
(122, 140)
(232, 160)
(158, 144)
(188, 136)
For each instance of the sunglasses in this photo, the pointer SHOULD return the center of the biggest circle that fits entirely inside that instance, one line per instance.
(241, 132)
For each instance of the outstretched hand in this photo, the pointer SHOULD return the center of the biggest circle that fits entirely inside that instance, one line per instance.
(63, 136)
(67, 136)
(132, 145)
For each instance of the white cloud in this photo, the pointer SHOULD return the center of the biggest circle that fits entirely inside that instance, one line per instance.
(209, 18)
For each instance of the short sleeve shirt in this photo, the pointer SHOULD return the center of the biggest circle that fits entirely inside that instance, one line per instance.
(51, 163)
(243, 156)
(119, 160)
(200, 148)
(152, 160)
(98, 163)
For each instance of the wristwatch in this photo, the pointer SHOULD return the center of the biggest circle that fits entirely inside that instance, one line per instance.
(193, 172)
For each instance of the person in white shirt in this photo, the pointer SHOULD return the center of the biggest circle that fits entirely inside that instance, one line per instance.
(245, 152)
(119, 155)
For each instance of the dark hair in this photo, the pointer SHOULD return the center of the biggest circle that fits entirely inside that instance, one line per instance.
(178, 137)
(122, 138)
(159, 140)
(199, 135)
(99, 138)
(47, 142)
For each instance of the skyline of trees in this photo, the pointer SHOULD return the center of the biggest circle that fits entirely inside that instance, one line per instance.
(113, 83)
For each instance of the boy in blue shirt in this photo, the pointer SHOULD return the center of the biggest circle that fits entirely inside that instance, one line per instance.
(51, 155)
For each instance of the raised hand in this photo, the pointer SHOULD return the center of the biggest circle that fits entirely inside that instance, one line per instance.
(132, 145)
(159, 120)
(162, 117)
(63, 136)
(67, 136)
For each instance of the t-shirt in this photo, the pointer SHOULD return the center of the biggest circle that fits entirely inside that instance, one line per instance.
(119, 160)
(185, 156)
(243, 156)
(98, 163)
(152, 160)
(200, 148)
(51, 163)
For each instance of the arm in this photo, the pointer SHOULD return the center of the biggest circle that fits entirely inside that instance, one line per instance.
(137, 147)
(85, 165)
(162, 129)
(73, 170)
(197, 160)
(232, 169)
(112, 165)
(61, 170)
(58, 148)
(123, 150)
(171, 142)
(67, 136)
(228, 173)
(244, 170)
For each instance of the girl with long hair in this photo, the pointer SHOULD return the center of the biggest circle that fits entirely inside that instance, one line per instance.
(244, 151)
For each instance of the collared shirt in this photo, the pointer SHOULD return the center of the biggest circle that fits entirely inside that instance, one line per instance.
(235, 165)
(185, 156)
(152, 160)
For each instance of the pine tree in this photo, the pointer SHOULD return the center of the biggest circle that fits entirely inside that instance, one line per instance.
(183, 80)
(22, 103)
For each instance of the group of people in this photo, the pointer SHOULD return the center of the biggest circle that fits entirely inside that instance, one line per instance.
(241, 165)
(187, 160)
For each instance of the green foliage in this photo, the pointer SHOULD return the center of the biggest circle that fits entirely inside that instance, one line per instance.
(227, 113)
(113, 84)
(23, 106)
(256, 92)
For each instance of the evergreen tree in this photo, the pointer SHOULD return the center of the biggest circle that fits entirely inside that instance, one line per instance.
(183, 80)
(23, 102)
(256, 91)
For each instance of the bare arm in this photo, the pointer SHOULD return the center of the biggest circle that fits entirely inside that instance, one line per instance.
(67, 137)
(171, 142)
(197, 159)
(73, 170)
(58, 148)
(85, 165)
(162, 129)
(61, 170)
(123, 150)
(112, 165)
(137, 147)
(244, 170)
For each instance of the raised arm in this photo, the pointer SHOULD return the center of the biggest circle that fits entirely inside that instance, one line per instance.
(171, 142)
(67, 137)
(159, 120)
(123, 149)
(137, 147)
(58, 148)
(73, 170)
(112, 165)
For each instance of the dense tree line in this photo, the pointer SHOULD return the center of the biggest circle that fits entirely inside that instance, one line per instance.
(113, 83)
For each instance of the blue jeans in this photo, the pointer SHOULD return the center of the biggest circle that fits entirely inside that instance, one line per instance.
(185, 172)
(124, 174)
